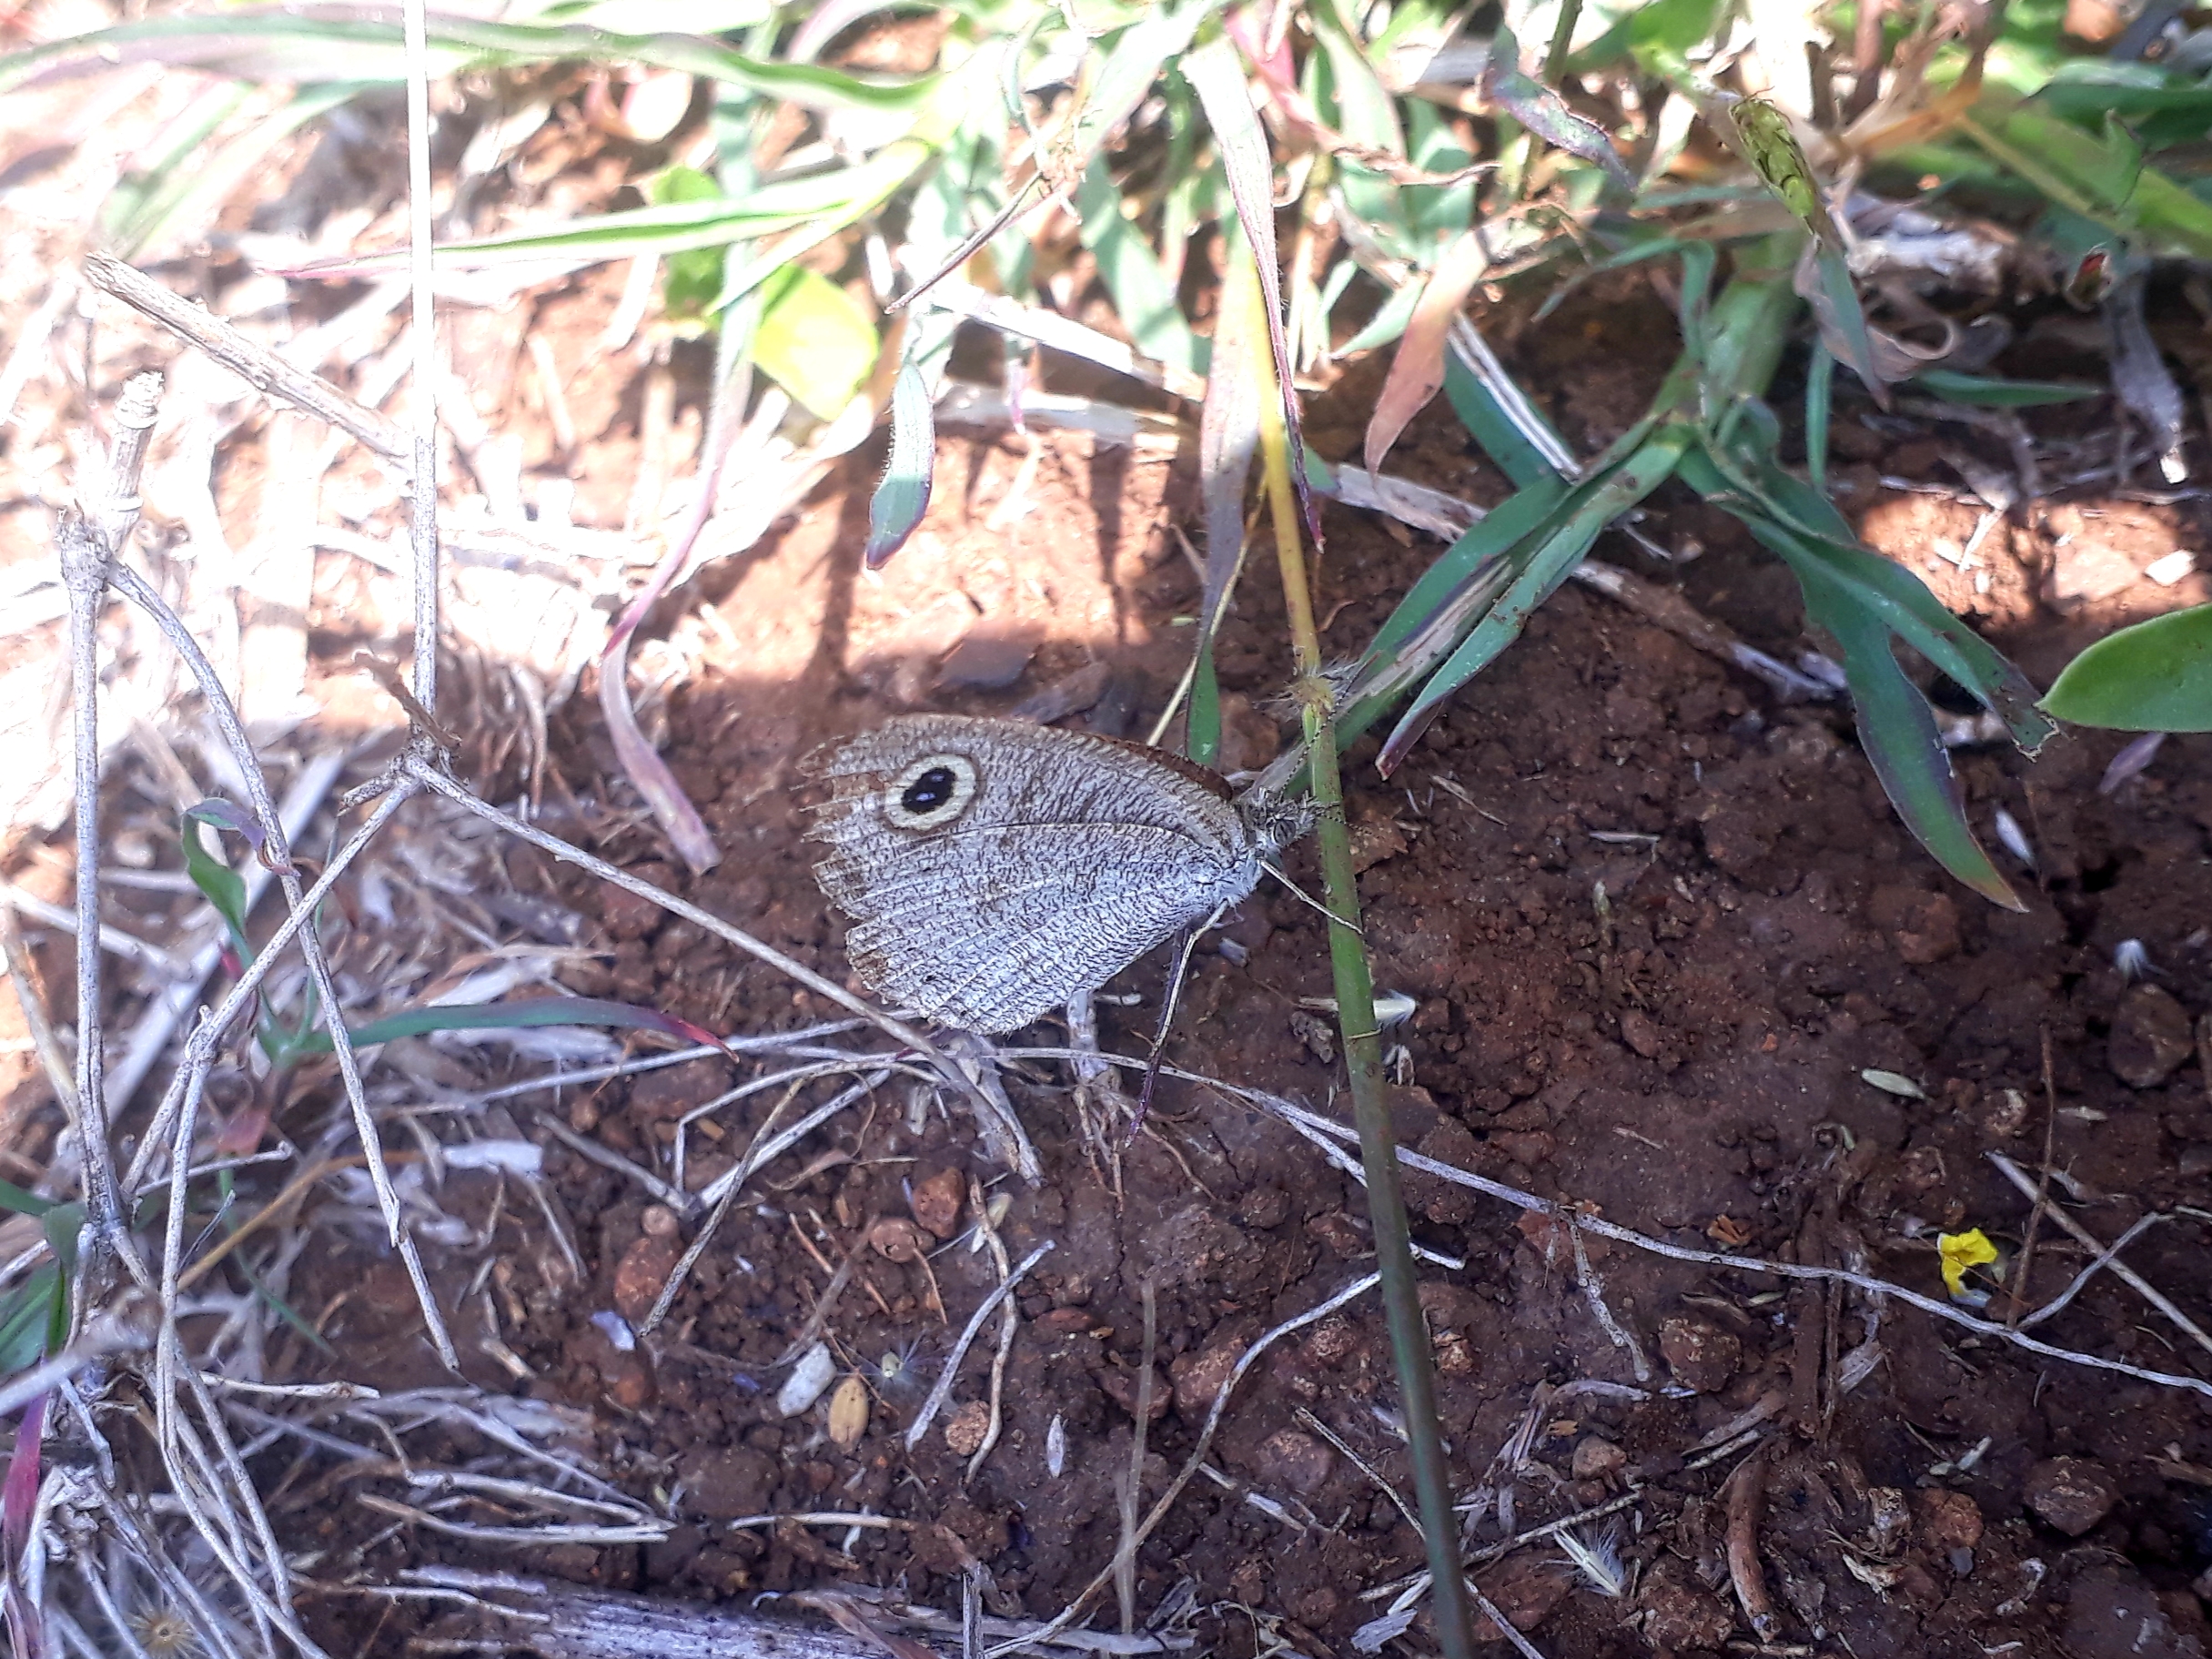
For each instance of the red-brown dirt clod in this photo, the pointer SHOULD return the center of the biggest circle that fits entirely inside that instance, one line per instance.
(1292, 1459)
(1597, 1458)
(938, 1200)
(965, 1429)
(641, 1275)
(1121, 1388)
(2150, 1037)
(2070, 1493)
(1702, 1357)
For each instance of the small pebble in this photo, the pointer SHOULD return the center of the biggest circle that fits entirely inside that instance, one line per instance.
(816, 1370)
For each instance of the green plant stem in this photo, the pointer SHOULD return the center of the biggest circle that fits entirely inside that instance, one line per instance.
(1362, 1039)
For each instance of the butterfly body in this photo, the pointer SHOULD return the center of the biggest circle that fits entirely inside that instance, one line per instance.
(993, 868)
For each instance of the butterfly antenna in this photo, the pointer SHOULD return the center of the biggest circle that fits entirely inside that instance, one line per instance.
(1175, 995)
(1308, 900)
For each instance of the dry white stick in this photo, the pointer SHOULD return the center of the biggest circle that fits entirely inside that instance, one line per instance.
(938, 1395)
(2119, 1269)
(113, 940)
(1593, 1288)
(1068, 1614)
(1294, 1115)
(2057, 1304)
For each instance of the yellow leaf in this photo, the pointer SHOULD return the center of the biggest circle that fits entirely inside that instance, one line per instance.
(1960, 1253)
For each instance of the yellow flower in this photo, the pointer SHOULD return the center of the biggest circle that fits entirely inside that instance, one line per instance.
(1961, 1253)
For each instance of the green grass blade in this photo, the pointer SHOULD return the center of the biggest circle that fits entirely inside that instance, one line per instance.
(318, 42)
(1820, 398)
(25, 1317)
(513, 1016)
(1978, 391)
(1491, 427)
(23, 1203)
(1897, 729)
(2155, 676)
(1597, 504)
(1915, 615)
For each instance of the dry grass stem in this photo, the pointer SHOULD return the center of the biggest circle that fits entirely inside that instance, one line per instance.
(944, 1388)
(2104, 1257)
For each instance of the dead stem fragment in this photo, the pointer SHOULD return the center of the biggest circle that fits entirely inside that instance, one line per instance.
(1745, 1494)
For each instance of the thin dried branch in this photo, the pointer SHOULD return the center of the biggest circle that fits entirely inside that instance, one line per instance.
(943, 1390)
(2119, 1269)
(1316, 1126)
(250, 361)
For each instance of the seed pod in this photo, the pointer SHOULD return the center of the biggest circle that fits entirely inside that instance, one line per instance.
(849, 1413)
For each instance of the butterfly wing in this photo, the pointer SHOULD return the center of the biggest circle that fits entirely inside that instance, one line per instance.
(1036, 864)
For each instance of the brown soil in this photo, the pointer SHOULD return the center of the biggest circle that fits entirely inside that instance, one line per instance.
(1657, 927)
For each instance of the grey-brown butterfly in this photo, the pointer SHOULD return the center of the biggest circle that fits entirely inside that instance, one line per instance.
(993, 868)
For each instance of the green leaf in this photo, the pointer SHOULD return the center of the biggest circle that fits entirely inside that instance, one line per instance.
(1596, 505)
(1897, 729)
(690, 279)
(1827, 287)
(14, 1197)
(814, 340)
(1982, 393)
(1202, 729)
(64, 1223)
(895, 510)
(2155, 676)
(25, 1318)
(1489, 426)
(311, 42)
(221, 885)
(2101, 177)
(511, 1016)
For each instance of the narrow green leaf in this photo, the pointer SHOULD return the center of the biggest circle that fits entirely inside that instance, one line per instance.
(2155, 676)
(1597, 504)
(25, 1317)
(1918, 618)
(14, 1197)
(1980, 392)
(1491, 427)
(1897, 729)
(895, 510)
(1819, 396)
(1202, 740)
(1388, 323)
(219, 884)
(64, 1224)
(1824, 281)
(511, 1016)
(313, 42)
